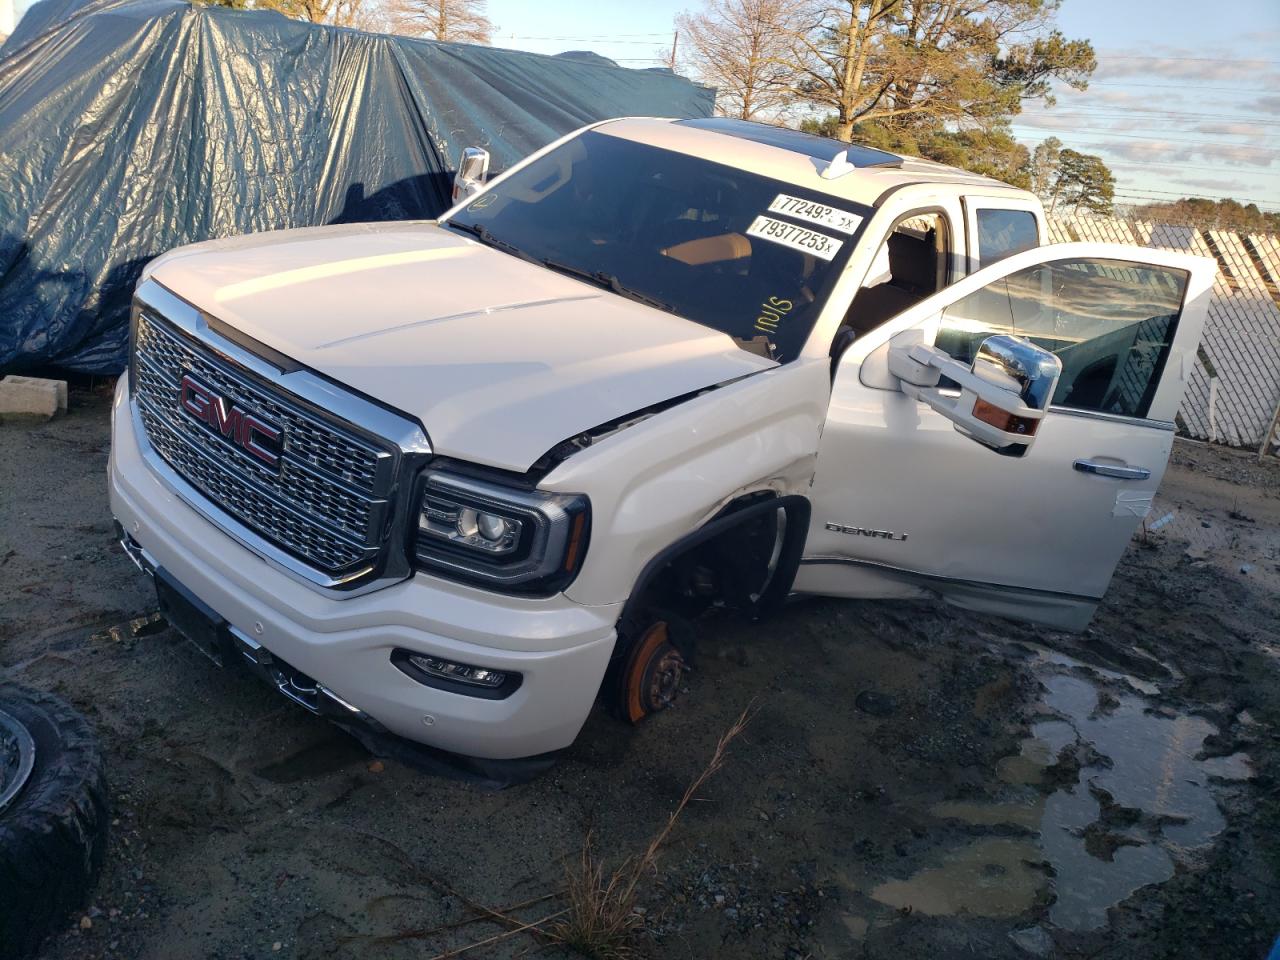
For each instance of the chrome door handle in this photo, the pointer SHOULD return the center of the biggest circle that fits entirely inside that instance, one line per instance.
(1112, 470)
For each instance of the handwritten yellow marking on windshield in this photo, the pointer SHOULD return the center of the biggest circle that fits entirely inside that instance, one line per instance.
(772, 311)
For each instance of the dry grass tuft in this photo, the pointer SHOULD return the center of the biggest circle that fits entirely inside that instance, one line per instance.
(600, 919)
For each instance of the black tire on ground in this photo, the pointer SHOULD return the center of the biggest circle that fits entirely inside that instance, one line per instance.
(54, 833)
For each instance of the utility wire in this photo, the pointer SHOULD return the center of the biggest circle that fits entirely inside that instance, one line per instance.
(1220, 168)
(513, 36)
(1237, 169)
(1159, 134)
(1190, 86)
(1266, 206)
(1072, 131)
(1109, 113)
(1263, 205)
(608, 40)
(1168, 196)
(1124, 56)
(1142, 191)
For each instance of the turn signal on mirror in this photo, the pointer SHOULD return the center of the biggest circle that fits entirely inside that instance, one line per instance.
(989, 413)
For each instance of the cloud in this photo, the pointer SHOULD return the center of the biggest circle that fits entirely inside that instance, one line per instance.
(1256, 135)
(1239, 154)
(1228, 129)
(1267, 104)
(1140, 151)
(1165, 151)
(1185, 71)
(1224, 141)
(1041, 121)
(1192, 66)
(1096, 96)
(1218, 186)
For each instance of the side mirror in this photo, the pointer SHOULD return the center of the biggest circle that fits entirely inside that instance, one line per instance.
(1004, 393)
(473, 171)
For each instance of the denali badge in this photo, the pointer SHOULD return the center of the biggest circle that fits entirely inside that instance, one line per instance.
(246, 430)
(864, 532)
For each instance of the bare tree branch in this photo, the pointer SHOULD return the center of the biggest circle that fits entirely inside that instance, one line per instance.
(449, 21)
(740, 47)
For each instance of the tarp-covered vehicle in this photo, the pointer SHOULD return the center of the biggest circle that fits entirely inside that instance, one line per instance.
(129, 128)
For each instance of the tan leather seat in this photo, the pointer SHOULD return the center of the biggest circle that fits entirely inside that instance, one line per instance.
(704, 250)
(913, 275)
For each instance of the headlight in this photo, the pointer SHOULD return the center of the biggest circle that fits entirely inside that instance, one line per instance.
(525, 541)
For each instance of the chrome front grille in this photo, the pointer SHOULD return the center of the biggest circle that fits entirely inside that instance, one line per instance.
(329, 499)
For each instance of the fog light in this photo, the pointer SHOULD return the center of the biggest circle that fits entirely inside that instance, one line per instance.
(461, 672)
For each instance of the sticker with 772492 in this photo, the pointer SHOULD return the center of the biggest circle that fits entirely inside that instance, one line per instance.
(819, 213)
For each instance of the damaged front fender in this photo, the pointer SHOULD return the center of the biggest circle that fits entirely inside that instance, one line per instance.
(664, 477)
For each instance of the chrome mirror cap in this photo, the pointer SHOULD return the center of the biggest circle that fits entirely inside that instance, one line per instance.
(1031, 372)
(473, 171)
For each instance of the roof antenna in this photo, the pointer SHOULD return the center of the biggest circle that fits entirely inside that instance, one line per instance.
(838, 166)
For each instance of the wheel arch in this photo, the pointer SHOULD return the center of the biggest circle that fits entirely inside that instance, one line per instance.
(734, 514)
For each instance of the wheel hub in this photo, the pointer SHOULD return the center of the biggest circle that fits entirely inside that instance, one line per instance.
(17, 758)
(653, 673)
(663, 680)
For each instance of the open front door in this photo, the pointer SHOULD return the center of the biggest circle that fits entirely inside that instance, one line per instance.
(905, 505)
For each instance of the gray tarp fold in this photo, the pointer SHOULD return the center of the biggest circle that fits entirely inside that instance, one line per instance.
(128, 128)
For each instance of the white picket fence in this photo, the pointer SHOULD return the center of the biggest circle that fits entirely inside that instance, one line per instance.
(1234, 394)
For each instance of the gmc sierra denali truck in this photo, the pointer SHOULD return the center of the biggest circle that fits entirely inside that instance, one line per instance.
(455, 480)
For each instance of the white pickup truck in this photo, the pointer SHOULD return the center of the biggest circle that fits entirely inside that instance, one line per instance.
(454, 480)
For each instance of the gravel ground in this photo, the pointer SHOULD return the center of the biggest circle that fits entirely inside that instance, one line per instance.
(916, 781)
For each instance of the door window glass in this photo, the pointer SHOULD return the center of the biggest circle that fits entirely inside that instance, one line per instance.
(1002, 233)
(1110, 322)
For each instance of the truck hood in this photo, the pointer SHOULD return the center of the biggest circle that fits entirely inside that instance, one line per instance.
(498, 358)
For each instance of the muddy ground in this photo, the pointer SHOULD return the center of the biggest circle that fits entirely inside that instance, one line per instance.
(917, 781)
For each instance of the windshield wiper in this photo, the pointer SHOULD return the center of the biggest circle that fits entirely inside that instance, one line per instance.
(481, 233)
(610, 282)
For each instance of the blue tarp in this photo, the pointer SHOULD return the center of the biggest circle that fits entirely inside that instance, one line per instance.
(134, 126)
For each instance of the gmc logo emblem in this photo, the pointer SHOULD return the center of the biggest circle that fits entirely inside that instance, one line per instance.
(248, 431)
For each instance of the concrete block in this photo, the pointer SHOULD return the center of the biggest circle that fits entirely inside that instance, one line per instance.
(31, 398)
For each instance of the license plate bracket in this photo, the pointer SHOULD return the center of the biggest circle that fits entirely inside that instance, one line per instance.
(194, 619)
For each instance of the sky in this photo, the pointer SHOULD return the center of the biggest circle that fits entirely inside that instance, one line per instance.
(1185, 101)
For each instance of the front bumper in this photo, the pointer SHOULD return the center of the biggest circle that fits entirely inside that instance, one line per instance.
(560, 648)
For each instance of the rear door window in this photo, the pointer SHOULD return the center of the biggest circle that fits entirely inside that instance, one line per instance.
(1002, 233)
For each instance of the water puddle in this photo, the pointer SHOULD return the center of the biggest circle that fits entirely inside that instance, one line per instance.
(1110, 788)
(990, 878)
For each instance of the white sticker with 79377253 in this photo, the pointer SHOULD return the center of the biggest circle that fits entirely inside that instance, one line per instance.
(818, 213)
(794, 236)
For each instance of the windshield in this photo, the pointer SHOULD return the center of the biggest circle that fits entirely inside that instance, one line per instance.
(744, 254)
